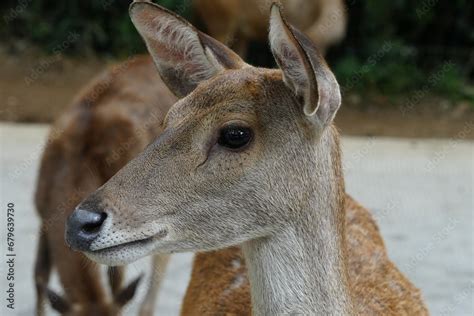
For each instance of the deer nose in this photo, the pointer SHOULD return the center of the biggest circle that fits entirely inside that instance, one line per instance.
(83, 227)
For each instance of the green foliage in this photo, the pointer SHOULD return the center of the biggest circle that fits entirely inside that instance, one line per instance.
(422, 37)
(391, 46)
(101, 27)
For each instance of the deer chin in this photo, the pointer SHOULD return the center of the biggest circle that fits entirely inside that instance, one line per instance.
(127, 252)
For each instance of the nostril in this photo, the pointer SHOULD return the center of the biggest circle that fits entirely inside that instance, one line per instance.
(83, 227)
(94, 223)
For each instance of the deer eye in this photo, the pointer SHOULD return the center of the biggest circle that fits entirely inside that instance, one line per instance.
(235, 136)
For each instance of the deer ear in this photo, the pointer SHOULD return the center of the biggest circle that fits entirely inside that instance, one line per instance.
(126, 294)
(58, 303)
(304, 70)
(183, 55)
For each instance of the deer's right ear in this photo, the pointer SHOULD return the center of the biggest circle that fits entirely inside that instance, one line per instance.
(304, 70)
(184, 56)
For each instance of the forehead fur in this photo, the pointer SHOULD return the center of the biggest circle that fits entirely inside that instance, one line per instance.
(231, 87)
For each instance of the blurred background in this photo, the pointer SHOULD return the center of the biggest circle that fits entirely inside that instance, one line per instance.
(406, 70)
(397, 58)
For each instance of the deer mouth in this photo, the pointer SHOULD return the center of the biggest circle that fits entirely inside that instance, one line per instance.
(130, 244)
(125, 252)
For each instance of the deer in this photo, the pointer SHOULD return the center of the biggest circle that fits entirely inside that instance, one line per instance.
(107, 124)
(219, 283)
(238, 22)
(250, 158)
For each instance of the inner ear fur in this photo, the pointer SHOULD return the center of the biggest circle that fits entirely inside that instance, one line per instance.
(183, 55)
(304, 70)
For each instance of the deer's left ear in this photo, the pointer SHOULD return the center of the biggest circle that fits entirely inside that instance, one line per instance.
(304, 70)
(183, 55)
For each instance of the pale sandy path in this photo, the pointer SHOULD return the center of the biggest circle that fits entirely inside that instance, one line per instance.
(421, 192)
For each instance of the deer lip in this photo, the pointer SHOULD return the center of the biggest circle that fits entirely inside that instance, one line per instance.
(135, 243)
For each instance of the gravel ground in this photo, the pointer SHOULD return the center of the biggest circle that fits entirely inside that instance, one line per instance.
(420, 191)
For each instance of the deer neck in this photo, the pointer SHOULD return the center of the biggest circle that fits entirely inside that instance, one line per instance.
(301, 269)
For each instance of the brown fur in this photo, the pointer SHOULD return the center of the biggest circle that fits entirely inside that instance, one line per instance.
(236, 22)
(391, 293)
(110, 122)
(306, 250)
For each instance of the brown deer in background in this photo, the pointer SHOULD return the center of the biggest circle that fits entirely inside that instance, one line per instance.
(250, 157)
(237, 22)
(109, 123)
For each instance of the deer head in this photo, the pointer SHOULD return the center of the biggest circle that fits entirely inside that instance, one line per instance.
(236, 152)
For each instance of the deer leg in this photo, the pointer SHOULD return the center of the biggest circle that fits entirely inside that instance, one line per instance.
(159, 263)
(42, 271)
(116, 276)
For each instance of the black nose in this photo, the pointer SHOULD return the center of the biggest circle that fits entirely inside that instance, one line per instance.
(83, 227)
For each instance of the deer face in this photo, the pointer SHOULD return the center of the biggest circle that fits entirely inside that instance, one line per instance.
(227, 166)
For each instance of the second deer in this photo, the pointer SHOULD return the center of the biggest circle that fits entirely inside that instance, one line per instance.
(107, 124)
(237, 22)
